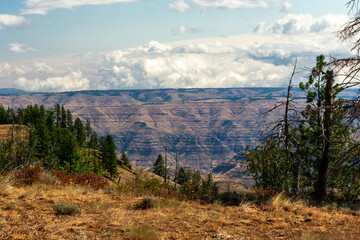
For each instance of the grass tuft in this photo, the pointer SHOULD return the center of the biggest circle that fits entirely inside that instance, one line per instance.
(151, 202)
(62, 208)
(143, 233)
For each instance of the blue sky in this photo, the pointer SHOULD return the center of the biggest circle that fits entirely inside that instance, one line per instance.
(48, 45)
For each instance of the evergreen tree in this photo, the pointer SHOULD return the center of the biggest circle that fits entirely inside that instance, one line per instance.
(57, 115)
(4, 118)
(320, 144)
(69, 121)
(108, 155)
(182, 176)
(93, 143)
(63, 116)
(88, 130)
(208, 186)
(80, 134)
(124, 159)
(65, 147)
(20, 115)
(159, 166)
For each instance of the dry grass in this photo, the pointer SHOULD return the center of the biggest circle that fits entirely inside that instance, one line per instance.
(26, 212)
(143, 233)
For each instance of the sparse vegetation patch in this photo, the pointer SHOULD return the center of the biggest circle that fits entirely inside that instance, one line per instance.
(62, 208)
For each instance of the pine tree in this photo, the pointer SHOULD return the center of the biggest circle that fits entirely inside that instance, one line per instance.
(182, 176)
(57, 115)
(69, 121)
(65, 147)
(88, 130)
(80, 134)
(108, 155)
(63, 122)
(4, 118)
(93, 143)
(159, 166)
(124, 159)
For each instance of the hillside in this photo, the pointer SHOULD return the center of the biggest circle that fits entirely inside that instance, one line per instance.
(206, 126)
(27, 212)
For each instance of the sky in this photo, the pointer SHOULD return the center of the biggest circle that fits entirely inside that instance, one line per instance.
(71, 45)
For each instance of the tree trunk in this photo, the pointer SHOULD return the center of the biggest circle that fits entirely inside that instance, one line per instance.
(321, 186)
(166, 173)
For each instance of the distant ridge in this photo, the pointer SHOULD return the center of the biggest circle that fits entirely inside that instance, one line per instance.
(206, 127)
(11, 91)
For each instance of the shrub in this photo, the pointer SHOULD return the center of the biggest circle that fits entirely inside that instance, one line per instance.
(62, 208)
(28, 175)
(83, 179)
(48, 179)
(265, 193)
(143, 233)
(5, 184)
(152, 186)
(234, 198)
(149, 202)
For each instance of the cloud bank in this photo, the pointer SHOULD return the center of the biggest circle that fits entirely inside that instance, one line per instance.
(263, 58)
(72, 82)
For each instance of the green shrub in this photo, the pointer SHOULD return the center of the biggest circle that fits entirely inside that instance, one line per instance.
(62, 208)
(149, 202)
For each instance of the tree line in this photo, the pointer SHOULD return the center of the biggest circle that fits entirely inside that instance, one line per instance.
(50, 138)
(192, 185)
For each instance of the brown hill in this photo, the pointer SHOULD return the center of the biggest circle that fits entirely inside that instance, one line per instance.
(206, 126)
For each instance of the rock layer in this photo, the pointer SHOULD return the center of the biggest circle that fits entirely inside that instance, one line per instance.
(205, 126)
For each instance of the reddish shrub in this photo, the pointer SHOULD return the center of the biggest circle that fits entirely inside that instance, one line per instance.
(264, 193)
(28, 175)
(83, 179)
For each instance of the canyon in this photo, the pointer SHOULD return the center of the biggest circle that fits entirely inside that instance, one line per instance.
(203, 128)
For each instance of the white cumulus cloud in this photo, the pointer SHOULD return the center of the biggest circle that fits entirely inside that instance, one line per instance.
(44, 6)
(73, 81)
(12, 21)
(179, 6)
(188, 66)
(20, 48)
(286, 6)
(5, 69)
(43, 67)
(303, 23)
(183, 30)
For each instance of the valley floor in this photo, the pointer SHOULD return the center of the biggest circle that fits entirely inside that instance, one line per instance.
(27, 213)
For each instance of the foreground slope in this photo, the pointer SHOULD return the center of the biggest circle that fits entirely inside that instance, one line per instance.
(26, 212)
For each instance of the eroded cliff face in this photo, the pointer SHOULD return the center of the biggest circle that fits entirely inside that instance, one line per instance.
(205, 126)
